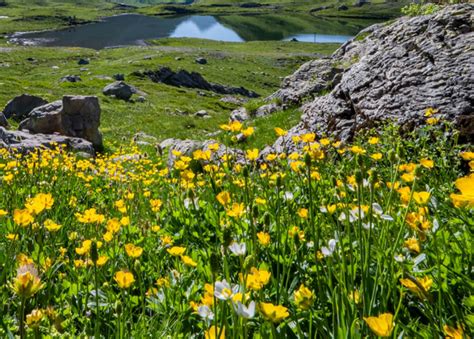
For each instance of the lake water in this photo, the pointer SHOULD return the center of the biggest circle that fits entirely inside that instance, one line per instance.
(132, 29)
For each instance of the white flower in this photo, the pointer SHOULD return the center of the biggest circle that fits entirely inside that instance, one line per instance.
(399, 258)
(243, 311)
(328, 251)
(238, 249)
(288, 196)
(205, 312)
(223, 291)
(356, 214)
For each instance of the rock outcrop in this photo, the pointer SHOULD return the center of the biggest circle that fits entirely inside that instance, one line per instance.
(26, 142)
(19, 107)
(389, 73)
(74, 116)
(120, 90)
(183, 78)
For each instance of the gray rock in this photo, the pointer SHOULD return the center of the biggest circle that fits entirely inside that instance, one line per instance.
(75, 116)
(394, 74)
(3, 120)
(120, 90)
(71, 78)
(82, 61)
(25, 142)
(19, 107)
(184, 78)
(141, 98)
(265, 110)
(119, 77)
(240, 114)
(201, 61)
(202, 114)
(342, 8)
(233, 100)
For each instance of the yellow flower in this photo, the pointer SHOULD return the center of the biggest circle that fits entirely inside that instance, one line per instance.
(22, 217)
(163, 282)
(374, 140)
(51, 225)
(176, 251)
(39, 203)
(430, 111)
(188, 261)
(467, 156)
(3, 213)
(27, 281)
(12, 236)
(424, 282)
(34, 318)
(166, 240)
(133, 251)
(303, 213)
(248, 131)
(412, 244)
(108, 236)
(453, 333)
(125, 221)
(102, 260)
(237, 210)
(155, 205)
(432, 121)
(376, 156)
(90, 216)
(382, 325)
(252, 154)
(308, 137)
(421, 198)
(263, 238)
(257, 279)
(357, 150)
(85, 248)
(280, 132)
(427, 163)
(223, 198)
(408, 177)
(304, 298)
(124, 279)
(466, 198)
(113, 225)
(355, 296)
(274, 313)
(215, 332)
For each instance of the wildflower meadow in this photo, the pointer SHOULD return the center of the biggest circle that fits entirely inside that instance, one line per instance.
(337, 240)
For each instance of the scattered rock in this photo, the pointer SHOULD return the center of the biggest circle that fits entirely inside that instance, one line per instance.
(294, 40)
(233, 100)
(84, 69)
(266, 110)
(71, 78)
(201, 61)
(83, 61)
(120, 90)
(119, 77)
(184, 78)
(141, 98)
(240, 114)
(202, 114)
(177, 58)
(30, 59)
(25, 142)
(19, 107)
(342, 8)
(74, 116)
(55, 67)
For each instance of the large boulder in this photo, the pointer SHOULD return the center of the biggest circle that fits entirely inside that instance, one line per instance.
(75, 116)
(24, 142)
(389, 73)
(120, 90)
(19, 107)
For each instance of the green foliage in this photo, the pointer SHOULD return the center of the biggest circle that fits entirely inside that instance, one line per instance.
(420, 9)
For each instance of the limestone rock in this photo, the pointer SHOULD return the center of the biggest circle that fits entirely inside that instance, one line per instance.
(120, 90)
(389, 73)
(19, 107)
(75, 116)
(25, 142)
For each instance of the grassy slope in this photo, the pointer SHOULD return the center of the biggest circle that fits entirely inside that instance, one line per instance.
(257, 66)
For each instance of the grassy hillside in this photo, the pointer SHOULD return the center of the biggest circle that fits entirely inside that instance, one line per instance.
(168, 111)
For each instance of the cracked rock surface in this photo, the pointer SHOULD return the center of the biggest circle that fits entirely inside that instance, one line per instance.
(389, 72)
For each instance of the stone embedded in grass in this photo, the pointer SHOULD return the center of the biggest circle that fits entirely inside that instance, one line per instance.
(120, 90)
(83, 61)
(71, 78)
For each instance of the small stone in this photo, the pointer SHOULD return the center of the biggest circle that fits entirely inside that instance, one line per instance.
(83, 61)
(201, 61)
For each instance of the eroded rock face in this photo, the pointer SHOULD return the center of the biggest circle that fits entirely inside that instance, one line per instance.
(390, 72)
(19, 107)
(74, 116)
(26, 142)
